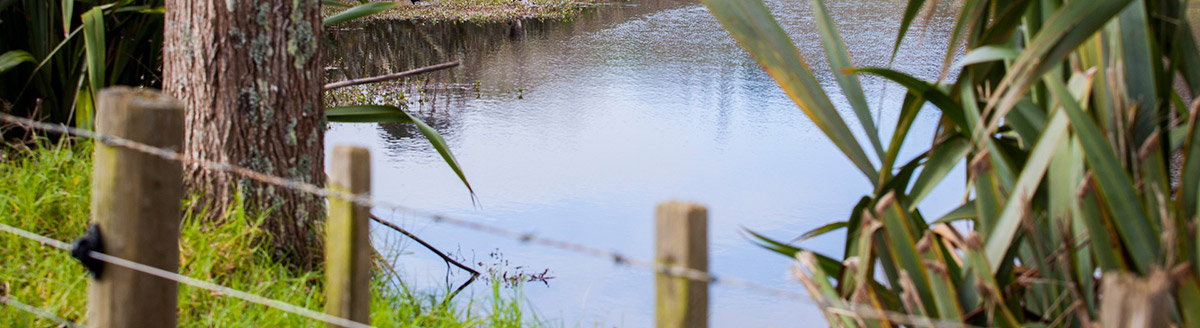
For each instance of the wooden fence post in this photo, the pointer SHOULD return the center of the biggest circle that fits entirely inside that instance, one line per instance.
(681, 240)
(347, 245)
(136, 202)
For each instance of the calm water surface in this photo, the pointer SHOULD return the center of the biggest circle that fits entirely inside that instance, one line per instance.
(579, 128)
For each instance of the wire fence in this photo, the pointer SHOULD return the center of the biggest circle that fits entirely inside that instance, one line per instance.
(39, 312)
(364, 200)
(222, 290)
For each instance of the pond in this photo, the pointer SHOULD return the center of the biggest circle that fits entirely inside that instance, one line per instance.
(575, 130)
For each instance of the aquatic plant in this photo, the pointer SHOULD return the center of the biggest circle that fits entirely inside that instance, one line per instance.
(1070, 120)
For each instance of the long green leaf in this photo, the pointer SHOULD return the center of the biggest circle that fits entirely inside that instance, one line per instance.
(1188, 56)
(963, 212)
(910, 13)
(1115, 187)
(949, 107)
(68, 12)
(334, 3)
(827, 228)
(827, 263)
(839, 61)
(1141, 64)
(1189, 184)
(752, 25)
(1005, 229)
(969, 17)
(383, 113)
(1067, 28)
(979, 264)
(909, 109)
(944, 157)
(359, 11)
(13, 58)
(94, 41)
(987, 54)
(901, 243)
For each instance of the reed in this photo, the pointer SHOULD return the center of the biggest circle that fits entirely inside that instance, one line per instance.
(1070, 121)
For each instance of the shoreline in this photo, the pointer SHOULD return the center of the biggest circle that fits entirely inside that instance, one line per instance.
(481, 11)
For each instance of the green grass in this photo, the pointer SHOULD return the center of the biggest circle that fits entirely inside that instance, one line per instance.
(46, 191)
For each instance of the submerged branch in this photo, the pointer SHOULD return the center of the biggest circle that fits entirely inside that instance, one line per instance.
(439, 253)
(426, 69)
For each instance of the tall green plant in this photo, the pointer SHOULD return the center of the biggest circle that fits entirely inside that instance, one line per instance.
(56, 53)
(1066, 115)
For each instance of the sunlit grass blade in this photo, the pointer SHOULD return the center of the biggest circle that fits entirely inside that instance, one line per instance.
(68, 11)
(12, 58)
(94, 41)
(751, 24)
(359, 11)
(839, 62)
(383, 113)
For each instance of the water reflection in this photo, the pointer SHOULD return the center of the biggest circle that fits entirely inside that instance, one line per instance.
(579, 128)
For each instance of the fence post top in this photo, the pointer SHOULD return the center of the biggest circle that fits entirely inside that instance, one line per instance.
(678, 205)
(152, 99)
(350, 150)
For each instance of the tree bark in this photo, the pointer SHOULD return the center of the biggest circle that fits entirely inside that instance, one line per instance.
(250, 75)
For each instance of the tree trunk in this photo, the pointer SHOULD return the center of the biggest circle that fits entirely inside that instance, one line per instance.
(250, 75)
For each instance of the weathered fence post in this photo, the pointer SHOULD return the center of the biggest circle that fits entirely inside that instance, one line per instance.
(347, 247)
(1131, 301)
(136, 202)
(682, 240)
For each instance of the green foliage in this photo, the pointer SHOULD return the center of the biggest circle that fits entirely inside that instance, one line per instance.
(385, 113)
(47, 192)
(120, 44)
(1066, 118)
(359, 11)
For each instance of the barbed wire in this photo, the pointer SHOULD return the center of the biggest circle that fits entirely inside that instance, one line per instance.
(523, 237)
(276, 304)
(38, 312)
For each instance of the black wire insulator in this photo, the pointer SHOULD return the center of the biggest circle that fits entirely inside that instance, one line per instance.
(82, 248)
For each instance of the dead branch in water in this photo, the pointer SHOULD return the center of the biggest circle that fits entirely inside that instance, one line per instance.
(474, 274)
(426, 69)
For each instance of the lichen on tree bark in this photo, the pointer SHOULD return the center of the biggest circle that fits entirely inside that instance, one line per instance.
(249, 74)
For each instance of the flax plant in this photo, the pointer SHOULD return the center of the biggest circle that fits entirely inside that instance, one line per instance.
(1071, 117)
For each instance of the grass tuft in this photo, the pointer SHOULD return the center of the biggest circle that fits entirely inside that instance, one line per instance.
(47, 191)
